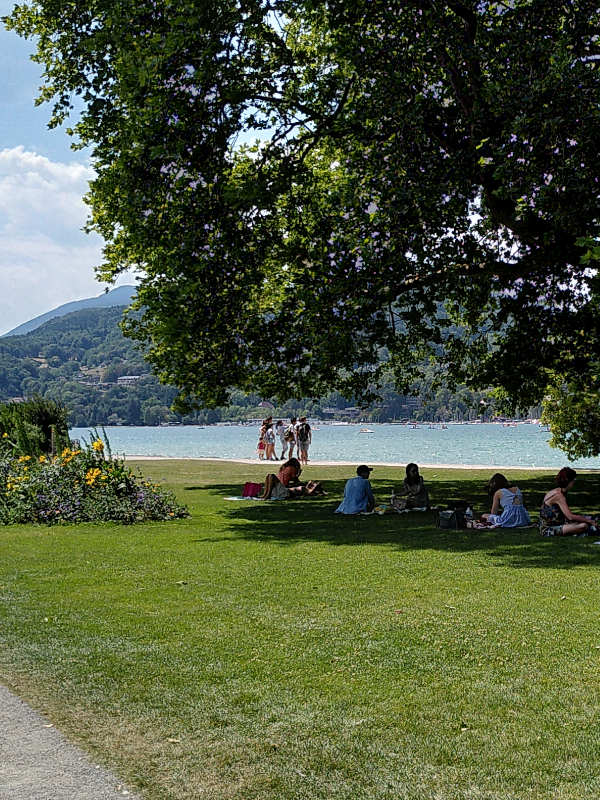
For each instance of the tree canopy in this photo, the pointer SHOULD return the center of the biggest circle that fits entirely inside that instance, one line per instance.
(77, 360)
(424, 185)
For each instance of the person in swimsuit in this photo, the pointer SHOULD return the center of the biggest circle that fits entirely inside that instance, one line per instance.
(556, 518)
(507, 509)
(261, 446)
(287, 484)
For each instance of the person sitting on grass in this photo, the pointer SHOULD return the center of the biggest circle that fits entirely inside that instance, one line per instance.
(413, 493)
(287, 485)
(507, 509)
(556, 518)
(358, 494)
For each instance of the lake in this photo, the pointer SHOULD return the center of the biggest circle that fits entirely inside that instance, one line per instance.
(489, 444)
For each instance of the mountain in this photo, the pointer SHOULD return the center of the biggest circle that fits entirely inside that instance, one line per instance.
(121, 296)
(82, 360)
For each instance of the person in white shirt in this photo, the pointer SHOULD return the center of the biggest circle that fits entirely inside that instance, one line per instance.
(291, 437)
(280, 434)
(269, 438)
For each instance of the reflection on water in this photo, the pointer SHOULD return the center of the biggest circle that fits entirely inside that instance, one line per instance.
(493, 444)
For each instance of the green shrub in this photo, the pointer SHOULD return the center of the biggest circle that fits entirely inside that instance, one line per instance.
(82, 484)
(34, 427)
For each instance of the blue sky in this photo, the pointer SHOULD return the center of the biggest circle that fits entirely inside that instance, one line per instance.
(45, 258)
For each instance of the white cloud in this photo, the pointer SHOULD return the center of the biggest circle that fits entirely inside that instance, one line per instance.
(45, 258)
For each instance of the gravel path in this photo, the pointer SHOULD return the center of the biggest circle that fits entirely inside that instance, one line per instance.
(38, 763)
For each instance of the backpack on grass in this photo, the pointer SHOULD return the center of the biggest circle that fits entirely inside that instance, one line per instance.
(451, 520)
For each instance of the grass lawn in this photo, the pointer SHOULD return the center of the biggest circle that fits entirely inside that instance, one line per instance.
(277, 651)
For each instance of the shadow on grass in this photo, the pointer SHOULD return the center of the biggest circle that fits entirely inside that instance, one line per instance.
(312, 519)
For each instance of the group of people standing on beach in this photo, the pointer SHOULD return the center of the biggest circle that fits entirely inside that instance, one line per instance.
(295, 435)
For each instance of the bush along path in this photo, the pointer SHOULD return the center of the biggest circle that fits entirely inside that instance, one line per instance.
(81, 484)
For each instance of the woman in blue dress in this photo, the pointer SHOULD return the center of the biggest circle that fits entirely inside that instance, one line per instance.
(507, 510)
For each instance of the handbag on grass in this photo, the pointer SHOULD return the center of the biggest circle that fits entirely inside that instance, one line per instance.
(252, 489)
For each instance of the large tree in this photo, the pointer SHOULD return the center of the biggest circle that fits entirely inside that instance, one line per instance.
(425, 183)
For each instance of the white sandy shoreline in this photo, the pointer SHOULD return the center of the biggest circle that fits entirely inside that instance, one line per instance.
(255, 462)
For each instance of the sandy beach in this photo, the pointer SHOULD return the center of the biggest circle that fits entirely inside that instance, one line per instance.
(374, 464)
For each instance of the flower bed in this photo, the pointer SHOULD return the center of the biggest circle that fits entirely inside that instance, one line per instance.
(82, 484)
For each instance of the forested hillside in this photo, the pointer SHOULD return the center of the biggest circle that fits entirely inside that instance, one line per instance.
(78, 359)
(84, 361)
(121, 296)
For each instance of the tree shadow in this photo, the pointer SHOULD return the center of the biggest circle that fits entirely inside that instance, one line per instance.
(444, 491)
(312, 519)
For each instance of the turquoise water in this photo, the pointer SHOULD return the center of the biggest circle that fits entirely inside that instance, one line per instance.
(485, 444)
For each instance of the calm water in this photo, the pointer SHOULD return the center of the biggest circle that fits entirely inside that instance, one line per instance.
(486, 444)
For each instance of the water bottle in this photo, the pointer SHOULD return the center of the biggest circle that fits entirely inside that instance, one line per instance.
(469, 516)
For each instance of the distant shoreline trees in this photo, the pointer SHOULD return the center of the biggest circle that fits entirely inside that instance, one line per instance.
(78, 360)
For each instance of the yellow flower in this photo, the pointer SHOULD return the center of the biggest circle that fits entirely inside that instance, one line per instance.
(22, 459)
(91, 475)
(42, 459)
(98, 445)
(68, 455)
(5, 435)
